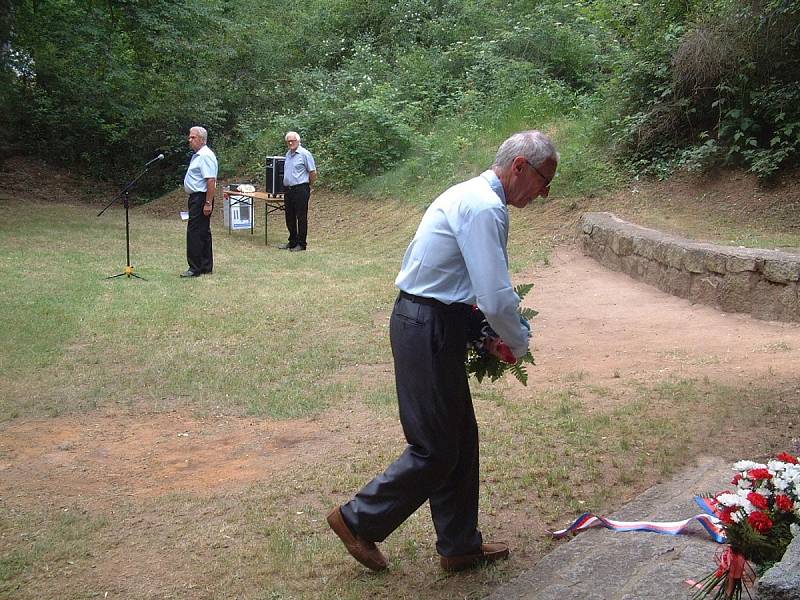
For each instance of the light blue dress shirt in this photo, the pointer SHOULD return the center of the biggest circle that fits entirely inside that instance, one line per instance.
(458, 254)
(202, 166)
(297, 166)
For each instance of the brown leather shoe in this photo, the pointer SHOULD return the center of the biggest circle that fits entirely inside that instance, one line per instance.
(489, 553)
(367, 553)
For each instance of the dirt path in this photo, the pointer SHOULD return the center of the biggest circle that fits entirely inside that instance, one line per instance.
(595, 326)
(608, 327)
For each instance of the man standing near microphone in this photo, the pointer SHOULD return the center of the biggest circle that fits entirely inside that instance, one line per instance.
(201, 184)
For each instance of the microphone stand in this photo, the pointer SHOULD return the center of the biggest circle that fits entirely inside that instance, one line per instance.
(129, 270)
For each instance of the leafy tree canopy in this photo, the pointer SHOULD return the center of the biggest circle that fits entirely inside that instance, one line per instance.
(107, 84)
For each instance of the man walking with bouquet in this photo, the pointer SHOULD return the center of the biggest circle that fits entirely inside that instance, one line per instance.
(456, 259)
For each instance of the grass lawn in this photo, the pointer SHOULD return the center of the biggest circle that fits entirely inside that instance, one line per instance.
(278, 343)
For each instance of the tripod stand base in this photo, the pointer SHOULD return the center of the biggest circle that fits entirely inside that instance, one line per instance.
(128, 272)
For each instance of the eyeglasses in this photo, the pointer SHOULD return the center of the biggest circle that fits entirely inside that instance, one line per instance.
(291, 141)
(539, 173)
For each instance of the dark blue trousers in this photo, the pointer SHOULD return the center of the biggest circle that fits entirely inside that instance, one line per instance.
(440, 463)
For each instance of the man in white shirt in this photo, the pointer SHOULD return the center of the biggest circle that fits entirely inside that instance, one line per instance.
(201, 184)
(456, 259)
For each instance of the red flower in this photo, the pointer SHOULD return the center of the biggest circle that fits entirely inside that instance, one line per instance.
(736, 478)
(758, 500)
(505, 353)
(784, 503)
(500, 349)
(760, 522)
(761, 473)
(726, 514)
(788, 458)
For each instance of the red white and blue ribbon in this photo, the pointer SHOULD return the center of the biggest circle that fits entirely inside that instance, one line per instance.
(708, 520)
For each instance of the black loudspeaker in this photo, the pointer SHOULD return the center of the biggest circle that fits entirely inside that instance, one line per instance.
(274, 175)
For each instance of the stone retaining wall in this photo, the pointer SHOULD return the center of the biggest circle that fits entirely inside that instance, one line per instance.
(763, 283)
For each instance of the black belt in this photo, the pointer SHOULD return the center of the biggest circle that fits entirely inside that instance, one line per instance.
(433, 302)
(292, 187)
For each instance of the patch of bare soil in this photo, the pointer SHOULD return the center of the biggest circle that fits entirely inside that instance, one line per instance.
(98, 458)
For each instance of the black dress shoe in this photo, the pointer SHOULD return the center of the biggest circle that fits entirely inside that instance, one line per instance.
(190, 273)
(285, 246)
(297, 249)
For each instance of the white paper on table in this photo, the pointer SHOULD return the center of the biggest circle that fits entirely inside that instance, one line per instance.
(184, 215)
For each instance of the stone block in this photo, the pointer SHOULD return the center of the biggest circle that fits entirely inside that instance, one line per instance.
(631, 265)
(586, 244)
(705, 288)
(674, 255)
(735, 291)
(614, 245)
(622, 244)
(660, 250)
(790, 301)
(644, 246)
(677, 282)
(611, 259)
(775, 301)
(596, 251)
(739, 262)
(694, 260)
(767, 300)
(655, 274)
(782, 582)
(715, 261)
(781, 270)
(601, 235)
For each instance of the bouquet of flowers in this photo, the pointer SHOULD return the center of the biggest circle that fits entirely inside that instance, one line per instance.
(759, 517)
(488, 355)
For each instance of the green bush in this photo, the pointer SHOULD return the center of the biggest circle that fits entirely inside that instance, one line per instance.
(715, 85)
(369, 138)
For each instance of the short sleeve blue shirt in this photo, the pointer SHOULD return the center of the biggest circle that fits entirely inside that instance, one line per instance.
(202, 166)
(297, 166)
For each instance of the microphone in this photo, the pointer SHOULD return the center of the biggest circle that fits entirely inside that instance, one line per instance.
(156, 159)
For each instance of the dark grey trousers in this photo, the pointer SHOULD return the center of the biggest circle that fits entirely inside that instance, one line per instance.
(441, 462)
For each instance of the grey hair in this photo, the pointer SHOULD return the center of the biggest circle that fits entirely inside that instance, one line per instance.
(533, 145)
(201, 131)
(293, 134)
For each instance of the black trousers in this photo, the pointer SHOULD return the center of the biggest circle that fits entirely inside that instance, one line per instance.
(199, 252)
(440, 463)
(295, 200)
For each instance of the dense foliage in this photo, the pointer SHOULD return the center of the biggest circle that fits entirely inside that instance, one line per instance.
(709, 82)
(373, 85)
